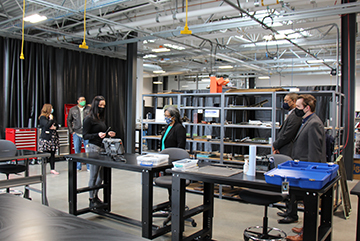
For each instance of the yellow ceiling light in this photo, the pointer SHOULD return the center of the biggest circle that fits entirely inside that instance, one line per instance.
(22, 38)
(186, 28)
(83, 45)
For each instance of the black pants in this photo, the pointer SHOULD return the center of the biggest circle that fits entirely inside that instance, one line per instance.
(51, 159)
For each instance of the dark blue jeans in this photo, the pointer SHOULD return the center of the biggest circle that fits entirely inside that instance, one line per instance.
(77, 141)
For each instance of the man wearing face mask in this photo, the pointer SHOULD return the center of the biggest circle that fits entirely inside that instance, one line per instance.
(310, 142)
(75, 124)
(288, 130)
(174, 134)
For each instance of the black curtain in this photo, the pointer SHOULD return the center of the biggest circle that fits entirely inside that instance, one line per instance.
(57, 76)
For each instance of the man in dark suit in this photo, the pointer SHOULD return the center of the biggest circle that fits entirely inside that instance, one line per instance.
(309, 145)
(289, 129)
(310, 141)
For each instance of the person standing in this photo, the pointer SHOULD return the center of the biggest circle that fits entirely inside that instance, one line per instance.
(309, 143)
(174, 134)
(94, 130)
(49, 139)
(288, 130)
(75, 124)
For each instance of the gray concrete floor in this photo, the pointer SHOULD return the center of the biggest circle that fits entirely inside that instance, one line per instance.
(230, 217)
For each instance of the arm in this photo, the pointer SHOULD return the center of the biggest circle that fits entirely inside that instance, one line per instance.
(181, 136)
(45, 123)
(69, 121)
(315, 139)
(87, 130)
(291, 128)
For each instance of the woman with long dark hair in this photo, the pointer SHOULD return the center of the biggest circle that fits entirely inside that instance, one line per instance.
(174, 134)
(49, 139)
(94, 130)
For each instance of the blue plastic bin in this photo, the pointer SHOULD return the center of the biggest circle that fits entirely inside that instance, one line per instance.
(308, 175)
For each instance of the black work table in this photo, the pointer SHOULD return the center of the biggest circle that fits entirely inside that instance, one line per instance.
(27, 180)
(149, 230)
(22, 219)
(356, 191)
(311, 199)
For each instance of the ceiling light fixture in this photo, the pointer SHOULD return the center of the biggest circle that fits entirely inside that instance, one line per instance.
(35, 18)
(158, 71)
(226, 67)
(264, 77)
(157, 83)
(150, 56)
(160, 49)
(174, 46)
(315, 61)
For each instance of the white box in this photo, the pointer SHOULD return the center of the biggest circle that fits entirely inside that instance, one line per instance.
(152, 159)
(185, 164)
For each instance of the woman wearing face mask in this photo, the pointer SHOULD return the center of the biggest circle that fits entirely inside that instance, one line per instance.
(49, 139)
(94, 130)
(174, 134)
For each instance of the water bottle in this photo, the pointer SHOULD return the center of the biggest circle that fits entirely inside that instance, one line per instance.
(246, 166)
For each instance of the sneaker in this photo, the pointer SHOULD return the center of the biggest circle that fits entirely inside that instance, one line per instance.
(54, 172)
(95, 202)
(88, 170)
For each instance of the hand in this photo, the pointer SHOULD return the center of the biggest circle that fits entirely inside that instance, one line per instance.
(52, 127)
(102, 135)
(51, 117)
(111, 133)
(276, 152)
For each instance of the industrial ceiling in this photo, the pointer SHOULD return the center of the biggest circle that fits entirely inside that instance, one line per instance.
(234, 38)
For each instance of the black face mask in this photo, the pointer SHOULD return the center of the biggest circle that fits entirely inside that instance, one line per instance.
(286, 106)
(299, 112)
(101, 110)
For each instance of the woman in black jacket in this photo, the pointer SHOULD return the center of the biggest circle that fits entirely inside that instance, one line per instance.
(174, 134)
(94, 130)
(49, 139)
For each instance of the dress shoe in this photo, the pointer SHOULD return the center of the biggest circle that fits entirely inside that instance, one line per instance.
(298, 237)
(297, 230)
(288, 219)
(283, 214)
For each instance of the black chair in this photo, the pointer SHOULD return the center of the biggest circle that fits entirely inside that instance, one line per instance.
(7, 148)
(265, 198)
(165, 181)
(277, 159)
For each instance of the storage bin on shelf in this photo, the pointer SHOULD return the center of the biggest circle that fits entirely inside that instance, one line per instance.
(184, 164)
(309, 175)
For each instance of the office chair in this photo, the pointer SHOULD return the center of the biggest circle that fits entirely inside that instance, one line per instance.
(7, 148)
(265, 198)
(166, 182)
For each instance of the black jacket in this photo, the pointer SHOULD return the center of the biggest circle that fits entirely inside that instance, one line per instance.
(91, 129)
(74, 119)
(287, 133)
(45, 124)
(176, 136)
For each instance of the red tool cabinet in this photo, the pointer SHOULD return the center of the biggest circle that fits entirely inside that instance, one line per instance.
(24, 138)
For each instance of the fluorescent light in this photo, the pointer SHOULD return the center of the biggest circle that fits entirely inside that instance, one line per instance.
(185, 86)
(226, 67)
(150, 56)
(315, 61)
(160, 50)
(268, 37)
(157, 83)
(35, 18)
(158, 71)
(264, 77)
(174, 46)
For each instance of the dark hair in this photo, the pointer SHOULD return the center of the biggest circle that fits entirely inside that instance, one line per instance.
(308, 100)
(94, 110)
(174, 112)
(79, 96)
